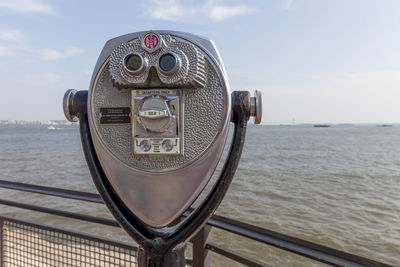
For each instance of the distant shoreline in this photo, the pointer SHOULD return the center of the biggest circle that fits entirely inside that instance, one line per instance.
(45, 122)
(65, 122)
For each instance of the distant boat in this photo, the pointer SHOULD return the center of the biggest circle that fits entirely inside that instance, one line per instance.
(321, 125)
(384, 125)
(54, 128)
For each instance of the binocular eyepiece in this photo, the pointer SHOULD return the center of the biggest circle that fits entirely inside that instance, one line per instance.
(154, 61)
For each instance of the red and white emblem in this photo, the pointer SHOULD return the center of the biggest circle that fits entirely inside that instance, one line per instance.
(151, 42)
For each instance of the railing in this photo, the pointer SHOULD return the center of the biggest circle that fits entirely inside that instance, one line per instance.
(201, 245)
(27, 244)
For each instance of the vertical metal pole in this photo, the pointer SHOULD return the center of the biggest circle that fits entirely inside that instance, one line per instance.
(1, 243)
(150, 258)
(175, 258)
(201, 257)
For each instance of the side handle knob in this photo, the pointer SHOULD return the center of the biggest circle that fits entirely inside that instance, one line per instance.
(256, 107)
(74, 104)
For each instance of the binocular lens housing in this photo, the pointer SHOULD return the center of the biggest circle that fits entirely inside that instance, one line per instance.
(167, 62)
(133, 63)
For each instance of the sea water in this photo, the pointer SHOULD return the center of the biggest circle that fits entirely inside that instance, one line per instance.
(337, 186)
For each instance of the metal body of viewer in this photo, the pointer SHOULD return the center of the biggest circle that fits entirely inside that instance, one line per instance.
(153, 127)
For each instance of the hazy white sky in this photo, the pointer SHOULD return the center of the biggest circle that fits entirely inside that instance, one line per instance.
(315, 61)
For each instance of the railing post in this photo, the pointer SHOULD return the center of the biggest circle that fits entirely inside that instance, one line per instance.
(201, 257)
(1, 243)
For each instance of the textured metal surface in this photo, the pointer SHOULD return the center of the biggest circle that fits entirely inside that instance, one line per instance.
(147, 185)
(154, 198)
(161, 240)
(191, 73)
(204, 117)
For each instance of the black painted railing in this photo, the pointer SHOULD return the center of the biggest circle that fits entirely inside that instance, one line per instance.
(201, 244)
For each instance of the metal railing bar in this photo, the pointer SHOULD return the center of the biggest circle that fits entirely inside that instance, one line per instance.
(109, 241)
(292, 244)
(68, 232)
(235, 256)
(52, 191)
(63, 213)
(77, 216)
(189, 261)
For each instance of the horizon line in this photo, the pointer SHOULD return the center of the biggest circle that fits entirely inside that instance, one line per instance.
(64, 121)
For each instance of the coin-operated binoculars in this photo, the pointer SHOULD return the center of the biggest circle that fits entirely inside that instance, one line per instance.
(153, 127)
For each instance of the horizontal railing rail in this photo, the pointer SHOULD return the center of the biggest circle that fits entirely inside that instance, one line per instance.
(52, 191)
(295, 245)
(68, 214)
(233, 255)
(298, 246)
(76, 234)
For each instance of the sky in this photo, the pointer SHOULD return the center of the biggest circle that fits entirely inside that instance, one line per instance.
(315, 61)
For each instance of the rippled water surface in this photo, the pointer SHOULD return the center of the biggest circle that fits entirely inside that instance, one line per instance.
(337, 186)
